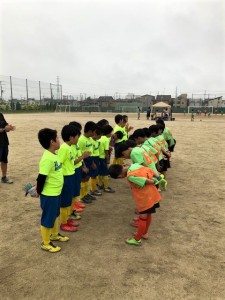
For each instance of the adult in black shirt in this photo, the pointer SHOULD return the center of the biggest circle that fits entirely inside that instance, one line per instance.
(4, 150)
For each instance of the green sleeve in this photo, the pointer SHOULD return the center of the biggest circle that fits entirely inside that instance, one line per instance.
(136, 156)
(140, 181)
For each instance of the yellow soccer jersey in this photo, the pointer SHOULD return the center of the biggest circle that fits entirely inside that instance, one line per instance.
(85, 144)
(77, 153)
(119, 128)
(66, 157)
(96, 145)
(51, 167)
(104, 146)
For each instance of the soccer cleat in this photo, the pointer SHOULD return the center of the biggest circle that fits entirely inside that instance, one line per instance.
(71, 222)
(66, 227)
(75, 216)
(109, 190)
(96, 193)
(100, 187)
(59, 237)
(30, 189)
(78, 209)
(91, 197)
(86, 200)
(79, 204)
(6, 180)
(50, 247)
(134, 242)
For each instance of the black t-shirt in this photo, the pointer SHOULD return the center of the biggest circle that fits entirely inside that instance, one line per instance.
(3, 135)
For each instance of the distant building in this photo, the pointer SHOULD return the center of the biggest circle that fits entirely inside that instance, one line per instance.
(163, 98)
(216, 102)
(181, 101)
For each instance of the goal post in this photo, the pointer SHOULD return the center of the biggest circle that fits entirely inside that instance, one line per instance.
(201, 108)
(62, 108)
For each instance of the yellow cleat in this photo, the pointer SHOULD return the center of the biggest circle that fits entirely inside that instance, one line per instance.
(50, 247)
(59, 237)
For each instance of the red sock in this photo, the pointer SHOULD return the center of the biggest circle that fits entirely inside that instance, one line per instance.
(148, 223)
(141, 229)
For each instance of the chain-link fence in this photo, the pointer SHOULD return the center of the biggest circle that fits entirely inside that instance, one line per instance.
(17, 89)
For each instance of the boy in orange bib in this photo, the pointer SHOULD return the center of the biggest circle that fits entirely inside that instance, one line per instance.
(142, 182)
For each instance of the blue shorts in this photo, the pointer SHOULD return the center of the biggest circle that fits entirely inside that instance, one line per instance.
(103, 168)
(88, 162)
(67, 191)
(4, 154)
(94, 172)
(77, 181)
(50, 210)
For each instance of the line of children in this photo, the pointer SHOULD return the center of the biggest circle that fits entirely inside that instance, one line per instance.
(84, 157)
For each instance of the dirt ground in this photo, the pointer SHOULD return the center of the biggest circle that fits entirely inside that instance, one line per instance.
(184, 257)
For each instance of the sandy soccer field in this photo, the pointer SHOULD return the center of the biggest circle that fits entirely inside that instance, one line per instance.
(184, 257)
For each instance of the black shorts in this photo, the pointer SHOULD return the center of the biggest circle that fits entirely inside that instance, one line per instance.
(151, 210)
(163, 165)
(4, 154)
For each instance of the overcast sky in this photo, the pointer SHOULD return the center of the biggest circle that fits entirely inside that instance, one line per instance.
(116, 46)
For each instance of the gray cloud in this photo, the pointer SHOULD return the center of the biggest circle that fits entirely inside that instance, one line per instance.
(111, 46)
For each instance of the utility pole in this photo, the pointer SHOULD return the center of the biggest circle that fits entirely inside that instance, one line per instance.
(58, 90)
(40, 91)
(27, 91)
(10, 78)
(1, 90)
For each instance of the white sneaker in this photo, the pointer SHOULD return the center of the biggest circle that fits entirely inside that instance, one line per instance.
(6, 180)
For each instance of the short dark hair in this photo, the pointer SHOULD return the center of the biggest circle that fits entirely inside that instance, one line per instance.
(115, 170)
(68, 131)
(45, 136)
(103, 122)
(153, 129)
(160, 122)
(125, 146)
(118, 118)
(161, 127)
(89, 126)
(107, 129)
(146, 131)
(119, 134)
(139, 133)
(98, 130)
(76, 124)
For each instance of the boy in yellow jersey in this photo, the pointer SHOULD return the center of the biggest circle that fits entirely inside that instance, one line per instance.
(86, 144)
(127, 127)
(104, 159)
(77, 206)
(119, 128)
(95, 156)
(49, 187)
(70, 136)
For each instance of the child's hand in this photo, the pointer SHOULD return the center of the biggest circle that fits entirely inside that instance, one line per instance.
(85, 169)
(94, 167)
(86, 154)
